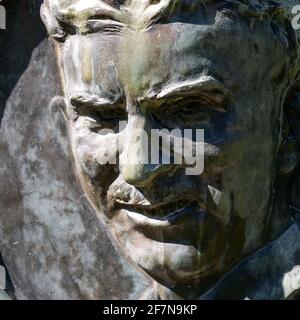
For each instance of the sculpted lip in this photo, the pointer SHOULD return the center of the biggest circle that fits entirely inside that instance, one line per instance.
(162, 216)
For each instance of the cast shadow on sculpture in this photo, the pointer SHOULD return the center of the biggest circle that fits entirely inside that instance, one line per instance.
(226, 67)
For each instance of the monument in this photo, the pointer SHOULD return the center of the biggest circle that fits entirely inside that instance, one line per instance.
(230, 68)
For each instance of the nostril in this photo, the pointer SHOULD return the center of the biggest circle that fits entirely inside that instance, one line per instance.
(122, 192)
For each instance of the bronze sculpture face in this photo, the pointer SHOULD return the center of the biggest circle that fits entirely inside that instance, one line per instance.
(222, 67)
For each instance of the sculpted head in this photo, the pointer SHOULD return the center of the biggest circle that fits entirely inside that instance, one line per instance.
(223, 66)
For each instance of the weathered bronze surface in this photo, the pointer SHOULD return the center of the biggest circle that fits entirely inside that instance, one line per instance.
(89, 229)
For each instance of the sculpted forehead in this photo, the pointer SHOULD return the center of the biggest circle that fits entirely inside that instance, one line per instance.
(217, 46)
(170, 53)
(108, 52)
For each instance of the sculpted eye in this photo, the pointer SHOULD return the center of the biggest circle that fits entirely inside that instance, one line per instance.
(105, 113)
(68, 29)
(105, 119)
(61, 31)
(188, 113)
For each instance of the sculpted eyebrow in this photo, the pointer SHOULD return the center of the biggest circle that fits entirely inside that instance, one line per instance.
(206, 85)
(105, 25)
(88, 103)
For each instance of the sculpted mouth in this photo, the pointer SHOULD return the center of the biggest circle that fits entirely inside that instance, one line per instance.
(161, 215)
(142, 208)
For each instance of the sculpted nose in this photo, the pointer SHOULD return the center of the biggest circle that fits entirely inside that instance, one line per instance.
(135, 159)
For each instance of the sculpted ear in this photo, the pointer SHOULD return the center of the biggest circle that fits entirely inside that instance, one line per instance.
(293, 111)
(289, 152)
(51, 23)
(58, 114)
